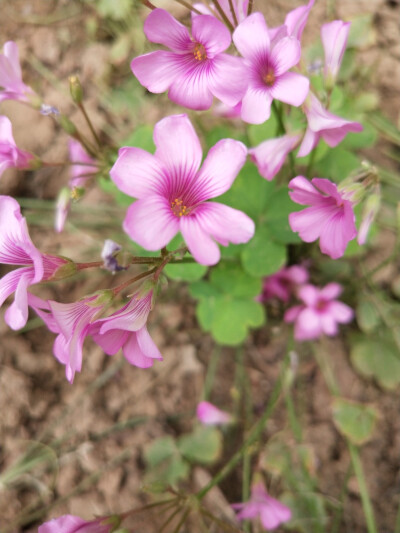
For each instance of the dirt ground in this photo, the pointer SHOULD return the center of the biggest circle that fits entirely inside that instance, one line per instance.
(96, 470)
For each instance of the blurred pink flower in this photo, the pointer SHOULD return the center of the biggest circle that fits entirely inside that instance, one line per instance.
(283, 284)
(126, 329)
(334, 37)
(196, 69)
(172, 191)
(10, 154)
(330, 217)
(323, 123)
(270, 511)
(16, 248)
(239, 7)
(210, 415)
(320, 312)
(11, 85)
(74, 524)
(270, 155)
(268, 67)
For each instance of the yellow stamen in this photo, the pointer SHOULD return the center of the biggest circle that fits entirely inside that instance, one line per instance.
(199, 52)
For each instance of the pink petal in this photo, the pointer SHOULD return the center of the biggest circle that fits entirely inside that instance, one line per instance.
(111, 341)
(334, 37)
(337, 231)
(304, 193)
(327, 187)
(224, 224)
(285, 55)
(134, 355)
(178, 147)
(310, 295)
(200, 244)
(331, 291)
(335, 136)
(210, 415)
(292, 313)
(11, 52)
(310, 222)
(341, 312)
(9, 283)
(63, 524)
(249, 510)
(328, 324)
(251, 37)
(308, 325)
(192, 88)
(151, 223)
(220, 168)
(16, 315)
(138, 173)
(60, 351)
(270, 155)
(147, 345)
(291, 88)
(256, 106)
(131, 317)
(296, 19)
(310, 141)
(211, 33)
(228, 79)
(6, 135)
(274, 513)
(162, 28)
(158, 70)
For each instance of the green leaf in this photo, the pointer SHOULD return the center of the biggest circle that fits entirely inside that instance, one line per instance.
(378, 359)
(160, 450)
(276, 216)
(142, 138)
(165, 465)
(262, 256)
(364, 139)
(261, 132)
(354, 420)
(368, 317)
(201, 290)
(185, 272)
(204, 445)
(337, 164)
(308, 511)
(205, 312)
(230, 278)
(232, 319)
(109, 187)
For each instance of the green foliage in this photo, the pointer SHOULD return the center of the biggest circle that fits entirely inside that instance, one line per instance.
(354, 421)
(308, 512)
(114, 9)
(337, 164)
(203, 446)
(185, 271)
(227, 308)
(378, 359)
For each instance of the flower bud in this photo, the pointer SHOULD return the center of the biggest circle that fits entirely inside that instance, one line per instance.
(75, 88)
(370, 210)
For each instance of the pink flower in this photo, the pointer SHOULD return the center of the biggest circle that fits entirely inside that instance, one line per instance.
(283, 284)
(322, 123)
(126, 329)
(270, 155)
(210, 415)
(195, 69)
(74, 524)
(16, 248)
(80, 174)
(271, 512)
(172, 191)
(320, 313)
(330, 217)
(268, 67)
(295, 22)
(239, 7)
(12, 86)
(334, 37)
(10, 154)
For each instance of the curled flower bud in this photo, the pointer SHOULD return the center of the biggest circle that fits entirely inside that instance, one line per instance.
(334, 39)
(75, 88)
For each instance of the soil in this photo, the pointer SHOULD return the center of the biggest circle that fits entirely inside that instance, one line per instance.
(92, 469)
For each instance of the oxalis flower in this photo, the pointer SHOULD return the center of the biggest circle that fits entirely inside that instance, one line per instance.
(11, 85)
(323, 123)
(10, 155)
(320, 312)
(268, 67)
(330, 217)
(196, 69)
(16, 248)
(172, 191)
(270, 511)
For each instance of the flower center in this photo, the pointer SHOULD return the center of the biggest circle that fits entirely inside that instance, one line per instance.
(321, 305)
(199, 52)
(269, 77)
(178, 208)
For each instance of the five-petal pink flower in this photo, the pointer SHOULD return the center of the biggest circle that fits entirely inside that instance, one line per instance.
(11, 85)
(10, 154)
(172, 191)
(320, 312)
(195, 69)
(330, 217)
(284, 284)
(16, 248)
(324, 124)
(270, 511)
(268, 67)
(270, 155)
(334, 37)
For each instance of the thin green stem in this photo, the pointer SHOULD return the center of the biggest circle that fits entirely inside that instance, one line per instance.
(278, 110)
(235, 20)
(337, 518)
(222, 14)
(89, 123)
(182, 521)
(254, 435)
(366, 501)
